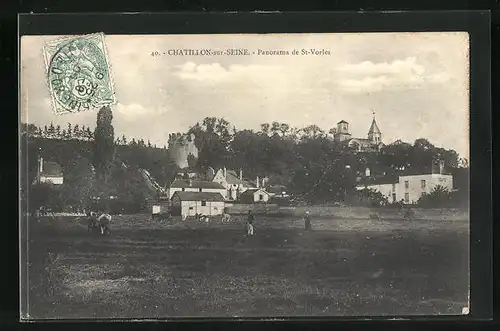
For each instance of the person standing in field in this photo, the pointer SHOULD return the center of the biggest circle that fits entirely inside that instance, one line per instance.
(250, 221)
(307, 221)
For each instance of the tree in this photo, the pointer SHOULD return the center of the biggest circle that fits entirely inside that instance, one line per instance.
(76, 131)
(51, 131)
(78, 182)
(124, 140)
(192, 161)
(104, 143)
(58, 131)
(69, 131)
(265, 128)
(438, 198)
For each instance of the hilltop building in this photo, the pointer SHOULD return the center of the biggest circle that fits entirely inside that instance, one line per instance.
(181, 147)
(373, 142)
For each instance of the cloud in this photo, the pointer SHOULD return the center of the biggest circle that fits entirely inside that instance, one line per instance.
(216, 73)
(134, 111)
(367, 76)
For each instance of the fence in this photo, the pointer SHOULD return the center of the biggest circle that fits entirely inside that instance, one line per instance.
(347, 212)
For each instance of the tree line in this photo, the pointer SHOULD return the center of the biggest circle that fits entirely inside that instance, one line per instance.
(308, 161)
(77, 132)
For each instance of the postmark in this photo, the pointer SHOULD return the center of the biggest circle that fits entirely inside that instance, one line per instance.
(78, 73)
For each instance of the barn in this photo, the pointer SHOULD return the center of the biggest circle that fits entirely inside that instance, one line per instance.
(254, 196)
(192, 203)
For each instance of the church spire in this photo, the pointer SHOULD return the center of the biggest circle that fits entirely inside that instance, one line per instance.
(374, 134)
(374, 127)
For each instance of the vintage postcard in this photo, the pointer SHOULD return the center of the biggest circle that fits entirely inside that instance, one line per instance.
(245, 175)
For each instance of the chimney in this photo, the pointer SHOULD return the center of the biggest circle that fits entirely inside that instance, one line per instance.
(367, 172)
(241, 174)
(258, 182)
(225, 172)
(190, 181)
(441, 167)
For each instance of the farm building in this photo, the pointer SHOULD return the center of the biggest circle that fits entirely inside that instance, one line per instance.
(407, 188)
(234, 183)
(192, 203)
(198, 186)
(254, 196)
(49, 172)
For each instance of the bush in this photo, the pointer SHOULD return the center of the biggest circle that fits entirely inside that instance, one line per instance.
(367, 198)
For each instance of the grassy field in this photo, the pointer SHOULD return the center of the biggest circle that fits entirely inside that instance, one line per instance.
(342, 268)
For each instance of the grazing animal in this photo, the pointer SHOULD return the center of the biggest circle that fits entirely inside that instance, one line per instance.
(226, 218)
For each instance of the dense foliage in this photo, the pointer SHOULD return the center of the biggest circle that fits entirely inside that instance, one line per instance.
(308, 162)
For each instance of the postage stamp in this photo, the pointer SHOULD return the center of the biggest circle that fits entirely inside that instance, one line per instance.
(78, 73)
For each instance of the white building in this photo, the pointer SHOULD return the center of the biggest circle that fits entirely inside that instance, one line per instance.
(233, 183)
(199, 186)
(49, 172)
(408, 188)
(255, 196)
(192, 203)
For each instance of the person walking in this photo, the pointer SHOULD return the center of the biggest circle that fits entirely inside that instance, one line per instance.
(250, 221)
(307, 221)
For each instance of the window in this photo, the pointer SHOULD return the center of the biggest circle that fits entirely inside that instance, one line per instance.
(203, 203)
(422, 184)
(190, 208)
(215, 208)
(407, 197)
(407, 184)
(261, 197)
(183, 189)
(200, 190)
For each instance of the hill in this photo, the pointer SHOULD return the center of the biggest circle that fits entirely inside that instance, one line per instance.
(139, 173)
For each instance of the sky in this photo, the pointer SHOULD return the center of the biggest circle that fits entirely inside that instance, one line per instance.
(416, 83)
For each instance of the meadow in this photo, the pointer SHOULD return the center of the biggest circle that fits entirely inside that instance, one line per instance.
(344, 267)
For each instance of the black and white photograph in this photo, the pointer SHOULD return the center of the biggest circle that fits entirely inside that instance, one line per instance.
(245, 175)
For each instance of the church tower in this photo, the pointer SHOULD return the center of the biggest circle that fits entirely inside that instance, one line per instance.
(374, 134)
(342, 132)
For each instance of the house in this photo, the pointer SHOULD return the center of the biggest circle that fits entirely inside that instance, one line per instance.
(277, 191)
(192, 203)
(373, 142)
(407, 188)
(199, 186)
(254, 196)
(230, 180)
(49, 172)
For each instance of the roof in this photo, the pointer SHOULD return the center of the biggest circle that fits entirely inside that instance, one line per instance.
(378, 181)
(51, 169)
(232, 178)
(374, 127)
(199, 196)
(342, 121)
(183, 183)
(252, 191)
(362, 141)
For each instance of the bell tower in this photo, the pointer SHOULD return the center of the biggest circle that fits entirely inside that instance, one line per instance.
(342, 132)
(374, 134)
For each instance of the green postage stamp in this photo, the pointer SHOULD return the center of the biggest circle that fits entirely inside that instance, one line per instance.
(78, 73)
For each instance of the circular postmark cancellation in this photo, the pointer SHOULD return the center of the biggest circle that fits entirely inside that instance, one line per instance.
(78, 75)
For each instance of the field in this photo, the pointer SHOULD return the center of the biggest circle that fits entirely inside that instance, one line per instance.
(341, 268)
